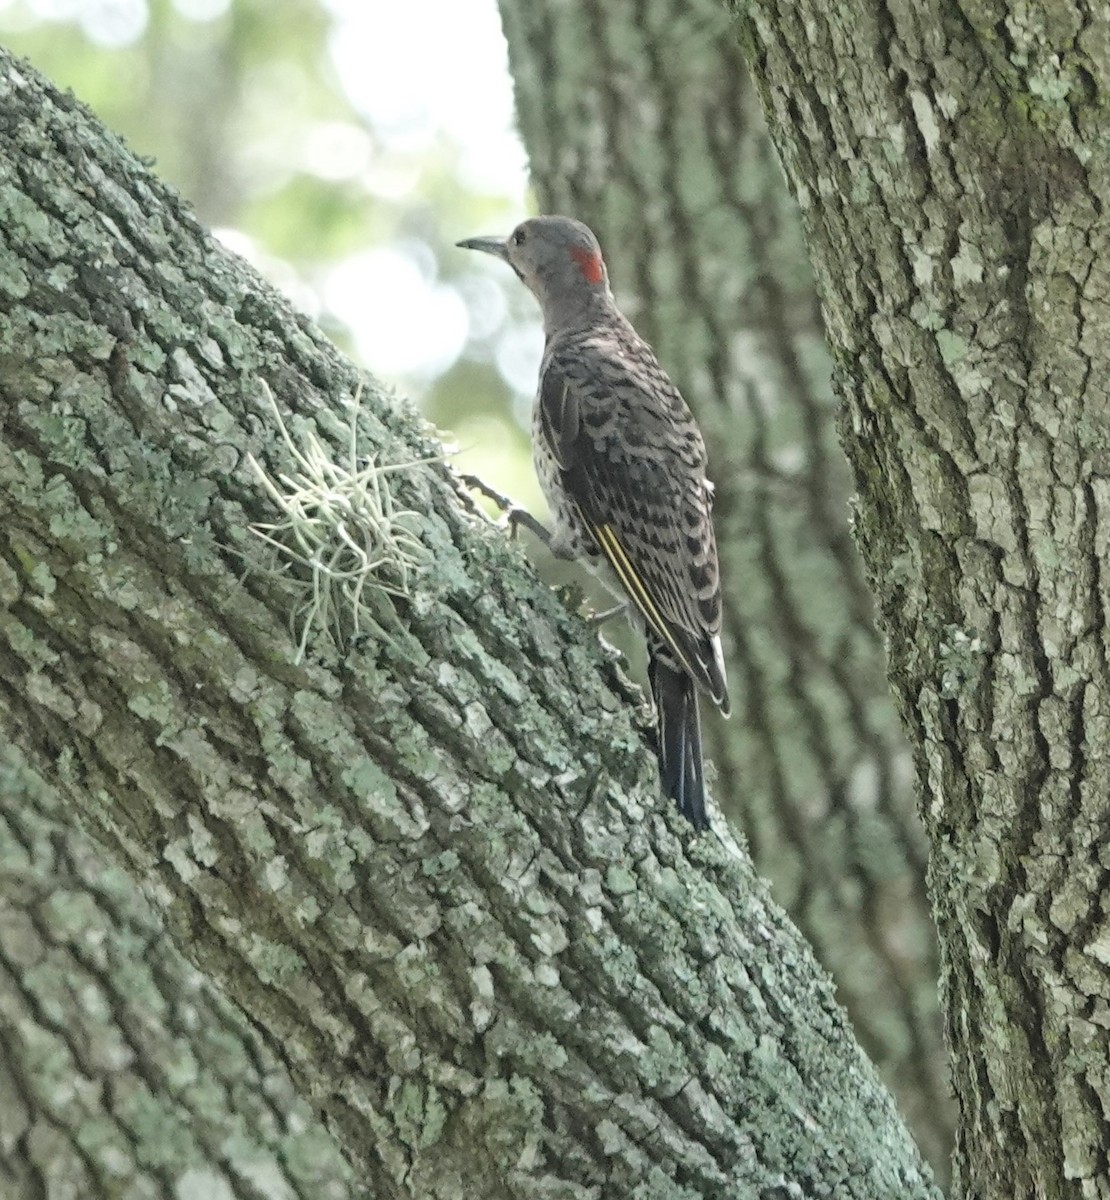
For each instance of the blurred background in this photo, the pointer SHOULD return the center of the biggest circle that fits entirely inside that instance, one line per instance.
(343, 146)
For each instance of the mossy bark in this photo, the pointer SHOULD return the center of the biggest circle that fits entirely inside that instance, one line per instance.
(123, 1071)
(433, 869)
(640, 119)
(952, 163)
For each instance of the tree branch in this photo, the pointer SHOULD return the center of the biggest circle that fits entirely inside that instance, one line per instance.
(122, 1070)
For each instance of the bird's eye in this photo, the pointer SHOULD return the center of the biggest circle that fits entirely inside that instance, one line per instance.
(518, 237)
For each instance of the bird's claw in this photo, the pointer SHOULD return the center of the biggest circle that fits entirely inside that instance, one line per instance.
(513, 517)
(598, 619)
(479, 485)
(517, 518)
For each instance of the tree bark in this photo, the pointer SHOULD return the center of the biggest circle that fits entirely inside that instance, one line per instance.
(433, 867)
(640, 119)
(122, 1071)
(953, 170)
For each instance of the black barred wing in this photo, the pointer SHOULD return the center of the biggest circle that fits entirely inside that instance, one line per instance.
(632, 461)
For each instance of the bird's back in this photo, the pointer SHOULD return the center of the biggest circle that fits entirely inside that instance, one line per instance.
(617, 447)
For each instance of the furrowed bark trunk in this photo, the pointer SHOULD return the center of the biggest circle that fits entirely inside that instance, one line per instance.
(122, 1070)
(432, 866)
(953, 169)
(640, 120)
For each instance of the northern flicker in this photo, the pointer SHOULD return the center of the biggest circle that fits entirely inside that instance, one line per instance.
(622, 464)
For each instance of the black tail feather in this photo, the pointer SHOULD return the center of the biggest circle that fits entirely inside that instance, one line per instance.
(679, 728)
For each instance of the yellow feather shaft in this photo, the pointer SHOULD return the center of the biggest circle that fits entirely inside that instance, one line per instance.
(634, 586)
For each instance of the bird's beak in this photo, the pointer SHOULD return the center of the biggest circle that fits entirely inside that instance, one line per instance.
(498, 247)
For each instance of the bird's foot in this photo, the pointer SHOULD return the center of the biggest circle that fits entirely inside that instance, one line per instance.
(598, 619)
(513, 517)
(611, 653)
(517, 518)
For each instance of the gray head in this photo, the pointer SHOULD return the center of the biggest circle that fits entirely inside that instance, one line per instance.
(560, 261)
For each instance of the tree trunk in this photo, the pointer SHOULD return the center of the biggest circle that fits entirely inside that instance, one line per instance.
(122, 1071)
(641, 121)
(433, 867)
(953, 168)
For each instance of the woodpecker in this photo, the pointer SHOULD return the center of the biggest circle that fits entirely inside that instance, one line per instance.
(622, 464)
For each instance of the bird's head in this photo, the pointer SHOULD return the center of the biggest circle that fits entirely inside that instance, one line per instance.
(559, 260)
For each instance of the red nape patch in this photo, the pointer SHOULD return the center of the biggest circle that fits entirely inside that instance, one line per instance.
(589, 264)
